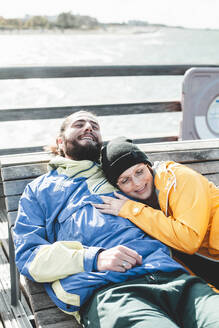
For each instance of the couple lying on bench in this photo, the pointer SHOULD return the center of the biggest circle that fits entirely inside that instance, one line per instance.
(81, 237)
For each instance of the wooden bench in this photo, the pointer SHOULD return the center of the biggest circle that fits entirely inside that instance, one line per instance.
(17, 171)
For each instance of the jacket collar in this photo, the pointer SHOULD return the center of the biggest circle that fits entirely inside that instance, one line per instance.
(164, 180)
(89, 170)
(73, 168)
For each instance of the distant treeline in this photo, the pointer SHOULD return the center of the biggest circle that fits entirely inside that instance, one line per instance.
(65, 20)
(62, 21)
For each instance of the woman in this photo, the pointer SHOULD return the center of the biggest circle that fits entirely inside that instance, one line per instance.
(178, 206)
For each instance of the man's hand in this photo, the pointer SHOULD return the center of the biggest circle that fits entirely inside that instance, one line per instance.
(111, 205)
(119, 258)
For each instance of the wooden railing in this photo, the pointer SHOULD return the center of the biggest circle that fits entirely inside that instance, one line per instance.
(9, 73)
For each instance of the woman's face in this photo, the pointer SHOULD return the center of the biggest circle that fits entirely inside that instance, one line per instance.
(137, 182)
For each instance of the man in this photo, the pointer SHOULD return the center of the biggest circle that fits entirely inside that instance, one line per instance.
(74, 249)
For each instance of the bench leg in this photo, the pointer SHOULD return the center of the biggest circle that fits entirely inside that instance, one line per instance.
(15, 276)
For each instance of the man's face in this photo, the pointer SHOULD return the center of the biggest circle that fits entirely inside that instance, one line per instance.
(82, 138)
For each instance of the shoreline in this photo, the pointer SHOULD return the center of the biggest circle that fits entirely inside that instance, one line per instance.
(99, 30)
(109, 29)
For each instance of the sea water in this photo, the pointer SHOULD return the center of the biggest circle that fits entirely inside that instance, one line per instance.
(151, 46)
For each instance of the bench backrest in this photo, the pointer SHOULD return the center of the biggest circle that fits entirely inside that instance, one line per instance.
(18, 171)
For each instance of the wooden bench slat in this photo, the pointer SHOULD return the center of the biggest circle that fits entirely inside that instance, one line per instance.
(66, 324)
(22, 159)
(55, 316)
(41, 301)
(214, 178)
(11, 202)
(12, 217)
(34, 287)
(188, 145)
(23, 171)
(15, 187)
(185, 156)
(209, 167)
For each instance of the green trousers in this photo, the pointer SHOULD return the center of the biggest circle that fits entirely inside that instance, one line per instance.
(161, 300)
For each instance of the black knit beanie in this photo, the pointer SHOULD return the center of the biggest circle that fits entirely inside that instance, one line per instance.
(118, 155)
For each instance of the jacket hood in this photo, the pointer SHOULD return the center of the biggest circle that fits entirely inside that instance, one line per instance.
(164, 180)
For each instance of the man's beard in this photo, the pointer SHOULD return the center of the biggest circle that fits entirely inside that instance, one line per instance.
(79, 152)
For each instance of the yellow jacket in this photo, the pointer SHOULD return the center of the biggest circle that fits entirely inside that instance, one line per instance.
(189, 215)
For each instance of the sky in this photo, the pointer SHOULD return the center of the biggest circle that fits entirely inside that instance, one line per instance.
(187, 13)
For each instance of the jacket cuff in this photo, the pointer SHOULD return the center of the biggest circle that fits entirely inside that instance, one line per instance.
(131, 209)
(90, 258)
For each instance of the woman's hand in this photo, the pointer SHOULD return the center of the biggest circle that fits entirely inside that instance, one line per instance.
(111, 205)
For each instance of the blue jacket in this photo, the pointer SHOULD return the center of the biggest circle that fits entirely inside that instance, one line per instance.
(58, 234)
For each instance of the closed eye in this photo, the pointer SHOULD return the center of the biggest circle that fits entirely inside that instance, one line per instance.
(124, 181)
(78, 125)
(139, 172)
